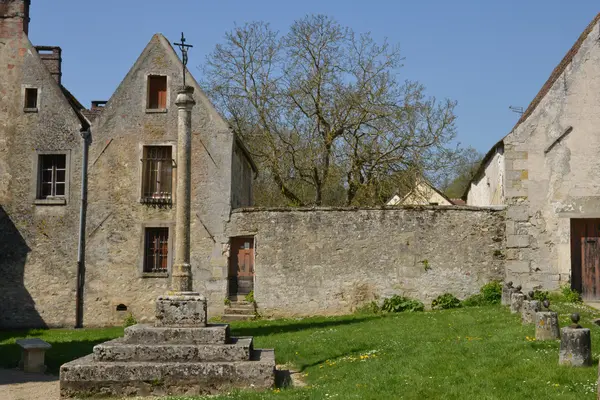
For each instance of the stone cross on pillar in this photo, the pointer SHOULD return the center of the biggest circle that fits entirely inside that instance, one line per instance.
(181, 279)
(182, 307)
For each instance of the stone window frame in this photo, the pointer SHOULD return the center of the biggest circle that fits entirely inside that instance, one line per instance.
(24, 87)
(58, 201)
(140, 185)
(171, 246)
(147, 96)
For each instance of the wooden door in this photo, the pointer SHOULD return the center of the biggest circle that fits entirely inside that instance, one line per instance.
(241, 266)
(585, 257)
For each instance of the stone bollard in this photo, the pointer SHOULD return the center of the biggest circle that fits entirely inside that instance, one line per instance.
(575, 345)
(546, 324)
(507, 291)
(529, 311)
(516, 302)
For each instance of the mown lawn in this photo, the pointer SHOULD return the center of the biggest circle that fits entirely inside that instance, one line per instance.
(468, 353)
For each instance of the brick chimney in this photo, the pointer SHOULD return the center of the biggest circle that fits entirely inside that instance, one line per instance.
(14, 18)
(51, 57)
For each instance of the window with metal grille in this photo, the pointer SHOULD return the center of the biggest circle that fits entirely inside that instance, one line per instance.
(157, 176)
(156, 250)
(157, 92)
(52, 176)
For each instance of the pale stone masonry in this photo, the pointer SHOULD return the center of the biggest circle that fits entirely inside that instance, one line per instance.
(545, 172)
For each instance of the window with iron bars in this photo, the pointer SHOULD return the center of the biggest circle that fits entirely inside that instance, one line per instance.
(52, 176)
(156, 250)
(157, 176)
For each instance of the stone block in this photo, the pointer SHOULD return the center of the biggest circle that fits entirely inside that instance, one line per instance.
(516, 155)
(85, 378)
(518, 213)
(529, 311)
(517, 266)
(211, 334)
(517, 241)
(32, 354)
(546, 326)
(181, 311)
(117, 350)
(575, 347)
(516, 302)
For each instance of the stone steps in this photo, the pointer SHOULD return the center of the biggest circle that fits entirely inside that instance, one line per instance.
(239, 310)
(237, 317)
(86, 377)
(239, 349)
(211, 334)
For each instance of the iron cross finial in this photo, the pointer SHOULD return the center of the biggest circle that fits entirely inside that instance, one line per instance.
(184, 54)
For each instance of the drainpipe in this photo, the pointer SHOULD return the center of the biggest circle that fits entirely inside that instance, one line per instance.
(85, 136)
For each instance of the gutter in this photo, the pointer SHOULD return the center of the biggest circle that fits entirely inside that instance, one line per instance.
(86, 135)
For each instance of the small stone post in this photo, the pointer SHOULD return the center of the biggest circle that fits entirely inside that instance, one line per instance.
(516, 300)
(575, 345)
(182, 307)
(507, 291)
(546, 324)
(529, 309)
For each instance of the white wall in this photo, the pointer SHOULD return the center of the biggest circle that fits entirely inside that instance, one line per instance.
(488, 190)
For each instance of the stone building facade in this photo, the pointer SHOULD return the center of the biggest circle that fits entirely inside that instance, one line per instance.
(131, 186)
(546, 171)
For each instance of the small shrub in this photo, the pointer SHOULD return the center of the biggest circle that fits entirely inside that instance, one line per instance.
(129, 320)
(540, 295)
(368, 308)
(250, 297)
(227, 302)
(399, 304)
(492, 292)
(570, 295)
(445, 301)
(475, 301)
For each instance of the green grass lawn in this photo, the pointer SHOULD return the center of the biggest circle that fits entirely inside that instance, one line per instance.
(467, 353)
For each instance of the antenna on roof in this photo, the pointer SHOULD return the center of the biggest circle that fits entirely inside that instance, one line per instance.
(518, 110)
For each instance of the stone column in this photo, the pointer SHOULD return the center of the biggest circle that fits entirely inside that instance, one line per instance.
(546, 326)
(182, 307)
(529, 311)
(575, 345)
(181, 277)
(516, 302)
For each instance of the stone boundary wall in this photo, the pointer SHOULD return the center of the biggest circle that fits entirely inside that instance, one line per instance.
(332, 260)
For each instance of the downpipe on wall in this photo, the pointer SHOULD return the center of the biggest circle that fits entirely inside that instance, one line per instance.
(86, 135)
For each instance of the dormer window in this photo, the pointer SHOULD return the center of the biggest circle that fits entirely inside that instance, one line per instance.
(31, 100)
(157, 92)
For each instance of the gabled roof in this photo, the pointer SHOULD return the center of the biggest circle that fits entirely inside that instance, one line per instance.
(77, 107)
(556, 73)
(419, 181)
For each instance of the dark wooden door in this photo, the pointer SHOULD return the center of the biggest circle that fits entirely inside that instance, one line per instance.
(585, 257)
(241, 266)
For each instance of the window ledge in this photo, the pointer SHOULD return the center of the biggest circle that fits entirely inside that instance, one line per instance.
(156, 110)
(30, 110)
(155, 274)
(50, 202)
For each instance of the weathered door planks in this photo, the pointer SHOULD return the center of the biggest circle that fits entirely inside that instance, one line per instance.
(585, 257)
(241, 266)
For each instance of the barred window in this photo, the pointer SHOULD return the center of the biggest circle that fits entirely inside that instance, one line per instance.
(52, 176)
(156, 250)
(157, 176)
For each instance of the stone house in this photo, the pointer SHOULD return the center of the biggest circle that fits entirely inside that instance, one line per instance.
(546, 172)
(423, 193)
(131, 178)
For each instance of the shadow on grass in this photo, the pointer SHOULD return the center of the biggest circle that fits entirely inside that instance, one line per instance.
(285, 326)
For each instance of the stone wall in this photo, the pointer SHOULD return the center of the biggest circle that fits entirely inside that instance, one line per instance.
(329, 261)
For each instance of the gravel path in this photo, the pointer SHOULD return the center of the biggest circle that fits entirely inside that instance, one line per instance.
(17, 385)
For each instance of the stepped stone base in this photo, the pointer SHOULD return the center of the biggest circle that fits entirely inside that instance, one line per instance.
(87, 378)
(179, 355)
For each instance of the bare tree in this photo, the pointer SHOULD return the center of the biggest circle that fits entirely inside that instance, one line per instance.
(321, 108)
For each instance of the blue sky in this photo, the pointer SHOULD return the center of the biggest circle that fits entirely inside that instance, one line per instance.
(487, 55)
